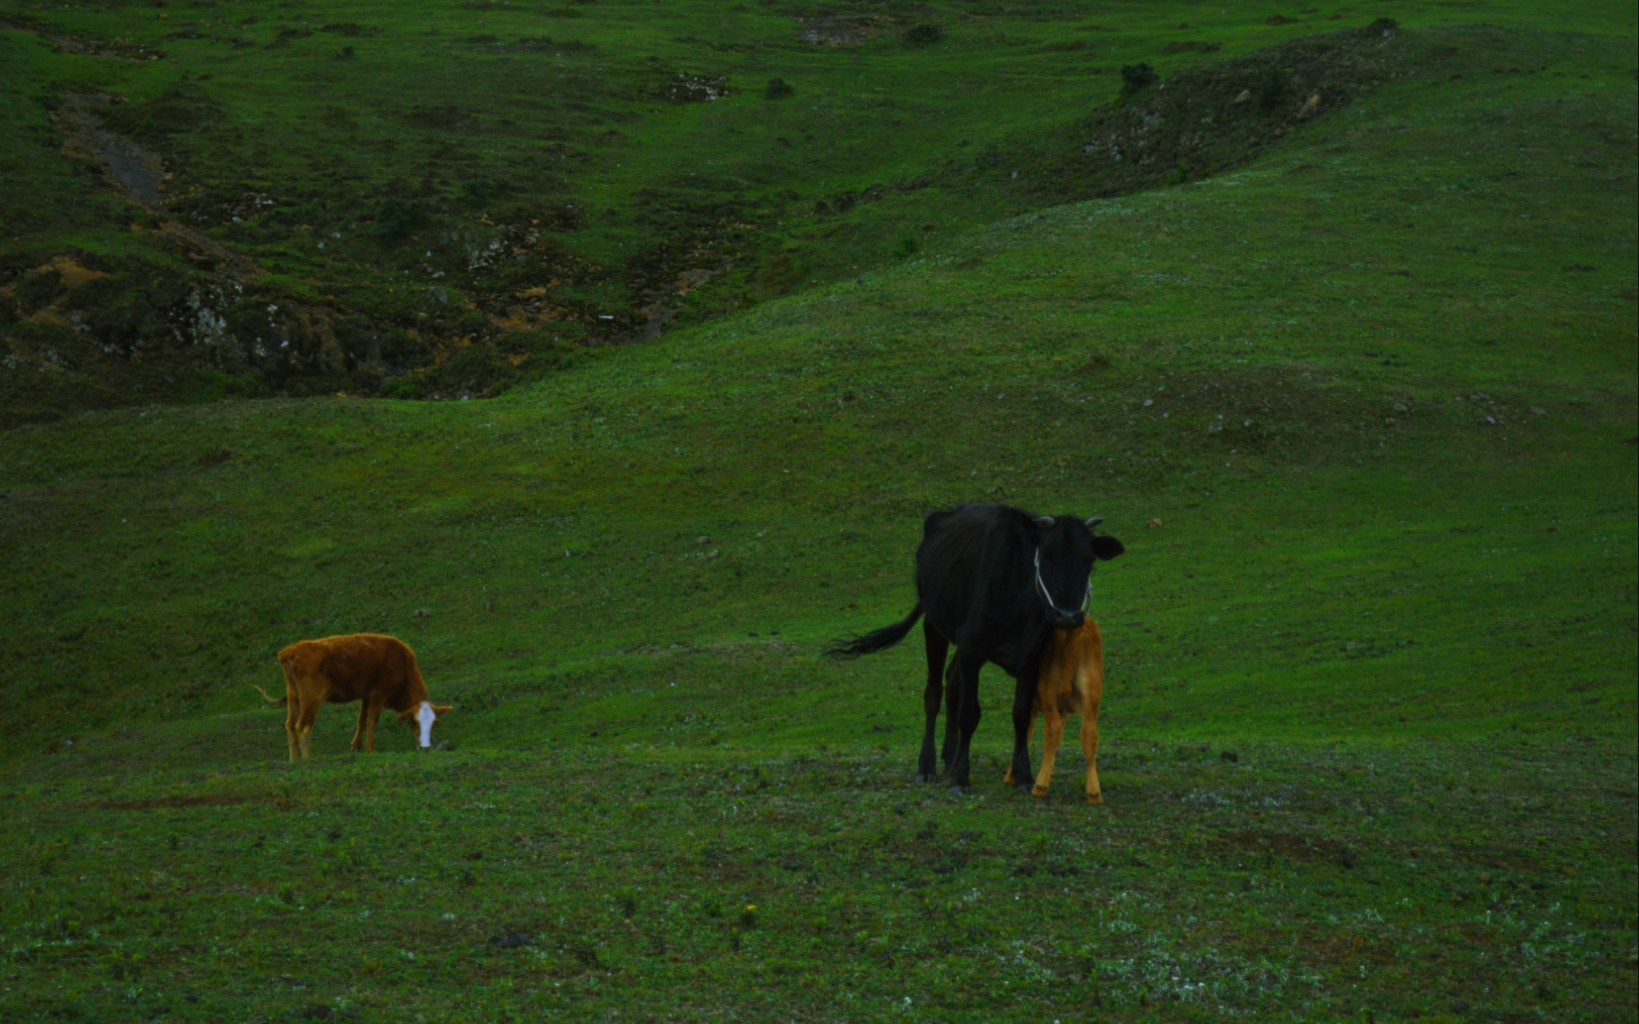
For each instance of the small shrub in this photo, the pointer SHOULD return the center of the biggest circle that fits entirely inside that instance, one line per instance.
(1135, 78)
(778, 88)
(923, 35)
(1274, 88)
(481, 191)
(402, 350)
(396, 219)
(475, 371)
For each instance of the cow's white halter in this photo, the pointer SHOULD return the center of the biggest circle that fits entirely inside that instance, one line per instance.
(1041, 585)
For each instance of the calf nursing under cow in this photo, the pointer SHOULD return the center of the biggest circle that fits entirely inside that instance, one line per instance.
(998, 584)
(1071, 683)
(378, 671)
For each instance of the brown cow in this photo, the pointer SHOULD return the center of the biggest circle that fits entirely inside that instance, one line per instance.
(378, 670)
(1071, 682)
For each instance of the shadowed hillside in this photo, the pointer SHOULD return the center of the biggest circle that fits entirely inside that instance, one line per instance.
(212, 203)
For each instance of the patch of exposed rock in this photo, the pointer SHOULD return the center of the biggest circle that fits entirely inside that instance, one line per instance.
(1207, 119)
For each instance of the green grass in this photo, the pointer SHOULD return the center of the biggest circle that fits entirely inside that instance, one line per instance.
(1362, 409)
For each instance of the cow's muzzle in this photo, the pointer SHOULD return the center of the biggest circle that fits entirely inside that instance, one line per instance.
(1063, 619)
(1070, 623)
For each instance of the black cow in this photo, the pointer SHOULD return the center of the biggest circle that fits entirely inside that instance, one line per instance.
(992, 580)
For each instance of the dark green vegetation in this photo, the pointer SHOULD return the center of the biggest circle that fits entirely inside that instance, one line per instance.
(1356, 386)
(223, 199)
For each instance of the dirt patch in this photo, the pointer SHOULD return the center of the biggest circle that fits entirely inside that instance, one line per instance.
(43, 295)
(71, 275)
(1191, 47)
(662, 302)
(840, 31)
(1274, 413)
(687, 88)
(441, 118)
(521, 278)
(119, 49)
(1286, 846)
(140, 176)
(1512, 862)
(51, 279)
(136, 172)
(163, 802)
(1340, 946)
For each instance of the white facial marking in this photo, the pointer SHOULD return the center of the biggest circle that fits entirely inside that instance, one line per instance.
(426, 716)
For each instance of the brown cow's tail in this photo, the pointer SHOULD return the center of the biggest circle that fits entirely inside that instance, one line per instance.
(281, 702)
(877, 640)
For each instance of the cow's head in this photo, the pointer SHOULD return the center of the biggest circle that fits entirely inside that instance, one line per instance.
(421, 719)
(1066, 549)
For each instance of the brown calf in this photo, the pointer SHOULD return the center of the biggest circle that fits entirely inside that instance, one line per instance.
(378, 670)
(1071, 682)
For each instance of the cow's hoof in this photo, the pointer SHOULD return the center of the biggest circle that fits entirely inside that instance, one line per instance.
(1037, 791)
(1096, 799)
(925, 777)
(960, 790)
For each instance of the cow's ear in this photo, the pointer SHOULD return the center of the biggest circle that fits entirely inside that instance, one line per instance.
(408, 713)
(443, 709)
(1107, 547)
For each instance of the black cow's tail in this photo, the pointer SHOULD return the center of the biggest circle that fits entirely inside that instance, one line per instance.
(877, 640)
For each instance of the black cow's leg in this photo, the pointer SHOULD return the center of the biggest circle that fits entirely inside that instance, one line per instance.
(953, 696)
(961, 768)
(1024, 708)
(926, 769)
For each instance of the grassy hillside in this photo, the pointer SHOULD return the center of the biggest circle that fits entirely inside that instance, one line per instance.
(1361, 406)
(438, 198)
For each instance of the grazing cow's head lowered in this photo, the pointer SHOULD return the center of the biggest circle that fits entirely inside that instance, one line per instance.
(420, 719)
(378, 671)
(1065, 553)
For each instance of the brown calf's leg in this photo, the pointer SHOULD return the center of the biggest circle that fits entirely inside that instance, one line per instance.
(1089, 746)
(1054, 735)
